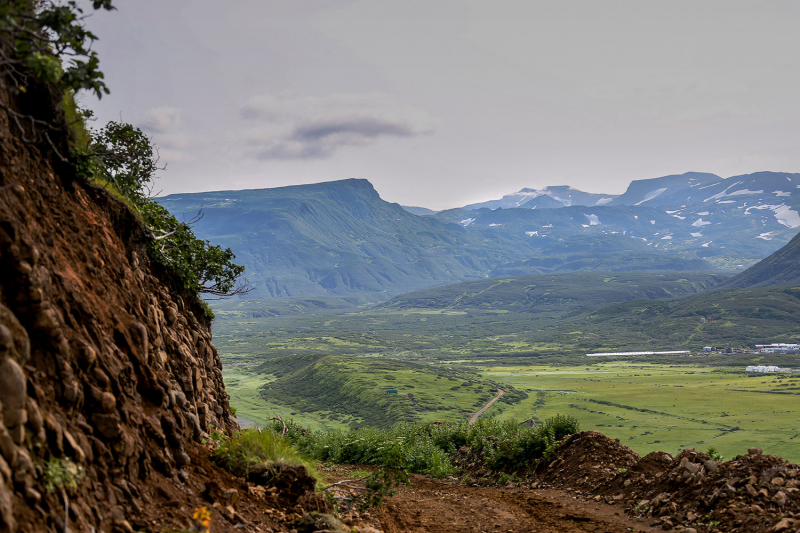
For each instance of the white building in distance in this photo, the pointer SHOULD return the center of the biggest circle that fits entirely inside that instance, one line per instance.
(778, 347)
(764, 369)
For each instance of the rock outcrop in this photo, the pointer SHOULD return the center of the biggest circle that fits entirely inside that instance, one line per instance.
(106, 372)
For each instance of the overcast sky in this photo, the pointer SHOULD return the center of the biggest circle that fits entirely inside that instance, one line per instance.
(441, 103)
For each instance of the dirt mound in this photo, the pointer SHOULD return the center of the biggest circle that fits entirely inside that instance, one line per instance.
(291, 482)
(752, 492)
(586, 461)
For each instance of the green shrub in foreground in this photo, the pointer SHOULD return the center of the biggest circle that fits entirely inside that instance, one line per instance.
(236, 454)
(432, 449)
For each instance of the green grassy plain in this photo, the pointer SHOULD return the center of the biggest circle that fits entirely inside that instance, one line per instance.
(648, 406)
(666, 407)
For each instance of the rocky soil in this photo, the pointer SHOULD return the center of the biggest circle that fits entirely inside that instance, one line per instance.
(752, 492)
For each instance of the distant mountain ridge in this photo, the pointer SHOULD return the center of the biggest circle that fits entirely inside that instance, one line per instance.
(340, 238)
(549, 197)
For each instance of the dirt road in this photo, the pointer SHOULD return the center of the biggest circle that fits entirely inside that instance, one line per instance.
(433, 506)
(474, 417)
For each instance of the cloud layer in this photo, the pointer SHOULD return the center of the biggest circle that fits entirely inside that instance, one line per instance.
(316, 127)
(164, 125)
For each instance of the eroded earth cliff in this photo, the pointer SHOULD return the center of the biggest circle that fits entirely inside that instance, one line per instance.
(101, 362)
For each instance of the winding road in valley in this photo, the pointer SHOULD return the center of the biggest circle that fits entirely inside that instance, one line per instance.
(474, 417)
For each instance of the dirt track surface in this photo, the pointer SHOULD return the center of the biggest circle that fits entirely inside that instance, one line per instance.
(474, 417)
(433, 506)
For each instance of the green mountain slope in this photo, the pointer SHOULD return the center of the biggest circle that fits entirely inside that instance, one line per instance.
(341, 238)
(335, 238)
(742, 317)
(780, 268)
(555, 294)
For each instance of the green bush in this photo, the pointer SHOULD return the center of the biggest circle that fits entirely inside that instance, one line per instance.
(433, 449)
(122, 158)
(250, 447)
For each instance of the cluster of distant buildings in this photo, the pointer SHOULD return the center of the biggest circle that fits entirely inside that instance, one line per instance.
(776, 347)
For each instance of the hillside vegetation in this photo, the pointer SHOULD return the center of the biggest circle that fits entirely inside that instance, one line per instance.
(355, 391)
(780, 268)
(494, 317)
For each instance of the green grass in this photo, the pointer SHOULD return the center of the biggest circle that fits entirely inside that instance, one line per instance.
(649, 406)
(666, 407)
(251, 447)
(354, 391)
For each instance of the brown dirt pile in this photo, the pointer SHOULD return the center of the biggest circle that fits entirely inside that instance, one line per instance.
(752, 492)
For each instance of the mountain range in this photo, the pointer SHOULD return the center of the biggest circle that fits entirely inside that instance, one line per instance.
(341, 238)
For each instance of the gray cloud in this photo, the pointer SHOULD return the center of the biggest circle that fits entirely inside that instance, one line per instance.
(165, 127)
(316, 127)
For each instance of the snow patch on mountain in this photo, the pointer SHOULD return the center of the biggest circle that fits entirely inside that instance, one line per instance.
(722, 194)
(781, 193)
(652, 194)
(604, 201)
(783, 214)
(699, 223)
(744, 191)
(593, 220)
(467, 221)
(697, 234)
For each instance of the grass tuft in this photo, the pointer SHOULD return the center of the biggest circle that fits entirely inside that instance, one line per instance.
(250, 447)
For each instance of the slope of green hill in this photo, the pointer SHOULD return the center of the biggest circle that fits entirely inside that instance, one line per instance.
(376, 392)
(555, 294)
(742, 317)
(780, 268)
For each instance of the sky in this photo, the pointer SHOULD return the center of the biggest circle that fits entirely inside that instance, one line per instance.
(442, 103)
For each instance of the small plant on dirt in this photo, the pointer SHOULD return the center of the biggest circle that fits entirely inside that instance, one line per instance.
(62, 475)
(714, 454)
(503, 479)
(216, 439)
(202, 520)
(383, 482)
(466, 479)
(623, 470)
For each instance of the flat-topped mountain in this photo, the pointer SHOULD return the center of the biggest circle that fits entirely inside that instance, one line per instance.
(341, 238)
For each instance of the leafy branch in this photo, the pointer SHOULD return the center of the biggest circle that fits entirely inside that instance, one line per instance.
(121, 155)
(46, 41)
